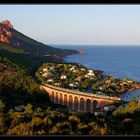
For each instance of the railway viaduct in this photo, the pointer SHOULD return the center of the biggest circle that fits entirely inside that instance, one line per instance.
(78, 101)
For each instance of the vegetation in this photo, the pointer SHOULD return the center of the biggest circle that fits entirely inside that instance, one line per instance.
(115, 85)
(68, 75)
(27, 110)
(27, 61)
(9, 48)
(80, 78)
(16, 85)
(39, 116)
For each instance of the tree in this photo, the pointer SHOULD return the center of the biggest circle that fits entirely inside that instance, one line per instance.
(21, 129)
(2, 124)
(128, 124)
(74, 120)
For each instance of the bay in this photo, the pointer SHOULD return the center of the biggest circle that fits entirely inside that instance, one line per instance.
(117, 61)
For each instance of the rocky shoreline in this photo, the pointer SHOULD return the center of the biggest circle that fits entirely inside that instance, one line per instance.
(81, 52)
(130, 90)
(104, 75)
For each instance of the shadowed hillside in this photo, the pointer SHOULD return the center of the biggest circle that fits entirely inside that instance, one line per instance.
(26, 51)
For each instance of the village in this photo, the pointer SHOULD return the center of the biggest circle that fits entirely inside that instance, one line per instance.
(69, 76)
(79, 78)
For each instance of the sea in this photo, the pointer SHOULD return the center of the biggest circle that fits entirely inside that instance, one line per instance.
(117, 61)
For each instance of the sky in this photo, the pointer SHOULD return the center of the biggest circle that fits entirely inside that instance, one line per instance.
(76, 24)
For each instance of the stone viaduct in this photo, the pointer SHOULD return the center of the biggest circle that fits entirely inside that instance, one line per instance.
(78, 101)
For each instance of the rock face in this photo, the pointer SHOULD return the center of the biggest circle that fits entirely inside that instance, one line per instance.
(6, 34)
(4, 39)
(7, 23)
(13, 38)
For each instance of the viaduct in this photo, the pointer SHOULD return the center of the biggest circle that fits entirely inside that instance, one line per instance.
(78, 101)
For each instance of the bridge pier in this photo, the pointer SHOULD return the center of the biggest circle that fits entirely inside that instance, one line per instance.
(78, 105)
(77, 101)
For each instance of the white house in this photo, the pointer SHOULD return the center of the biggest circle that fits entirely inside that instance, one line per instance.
(90, 71)
(109, 108)
(63, 77)
(57, 84)
(124, 83)
(108, 81)
(89, 75)
(76, 83)
(82, 69)
(100, 88)
(45, 69)
(72, 85)
(19, 108)
(129, 81)
(78, 79)
(50, 80)
(51, 68)
(99, 112)
(72, 68)
(44, 74)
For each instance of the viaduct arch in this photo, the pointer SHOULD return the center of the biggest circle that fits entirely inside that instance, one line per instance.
(78, 101)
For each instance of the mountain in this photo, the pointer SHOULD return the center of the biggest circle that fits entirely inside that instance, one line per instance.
(12, 37)
(26, 51)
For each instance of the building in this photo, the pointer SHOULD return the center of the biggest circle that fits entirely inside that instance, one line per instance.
(51, 68)
(109, 108)
(63, 77)
(44, 74)
(45, 69)
(19, 108)
(82, 69)
(72, 68)
(50, 80)
(78, 79)
(57, 84)
(72, 85)
(99, 112)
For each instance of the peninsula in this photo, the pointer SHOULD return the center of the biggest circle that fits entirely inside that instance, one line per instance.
(77, 77)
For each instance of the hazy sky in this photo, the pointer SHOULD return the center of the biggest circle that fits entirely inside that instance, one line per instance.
(76, 24)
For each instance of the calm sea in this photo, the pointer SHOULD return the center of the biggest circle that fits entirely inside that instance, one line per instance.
(118, 61)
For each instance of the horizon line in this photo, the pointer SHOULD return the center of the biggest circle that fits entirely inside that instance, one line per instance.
(95, 44)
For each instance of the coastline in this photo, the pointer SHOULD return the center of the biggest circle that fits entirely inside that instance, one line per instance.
(81, 51)
(102, 72)
(130, 90)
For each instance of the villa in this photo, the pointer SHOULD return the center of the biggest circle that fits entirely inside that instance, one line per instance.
(44, 74)
(82, 69)
(45, 69)
(19, 108)
(63, 77)
(78, 79)
(72, 68)
(72, 85)
(51, 68)
(99, 112)
(109, 108)
(57, 84)
(50, 80)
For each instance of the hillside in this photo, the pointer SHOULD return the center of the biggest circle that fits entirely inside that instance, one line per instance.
(27, 110)
(26, 51)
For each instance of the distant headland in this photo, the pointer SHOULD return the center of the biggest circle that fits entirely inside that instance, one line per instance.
(81, 51)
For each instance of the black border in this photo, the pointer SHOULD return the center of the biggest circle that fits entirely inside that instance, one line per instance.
(72, 2)
(104, 2)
